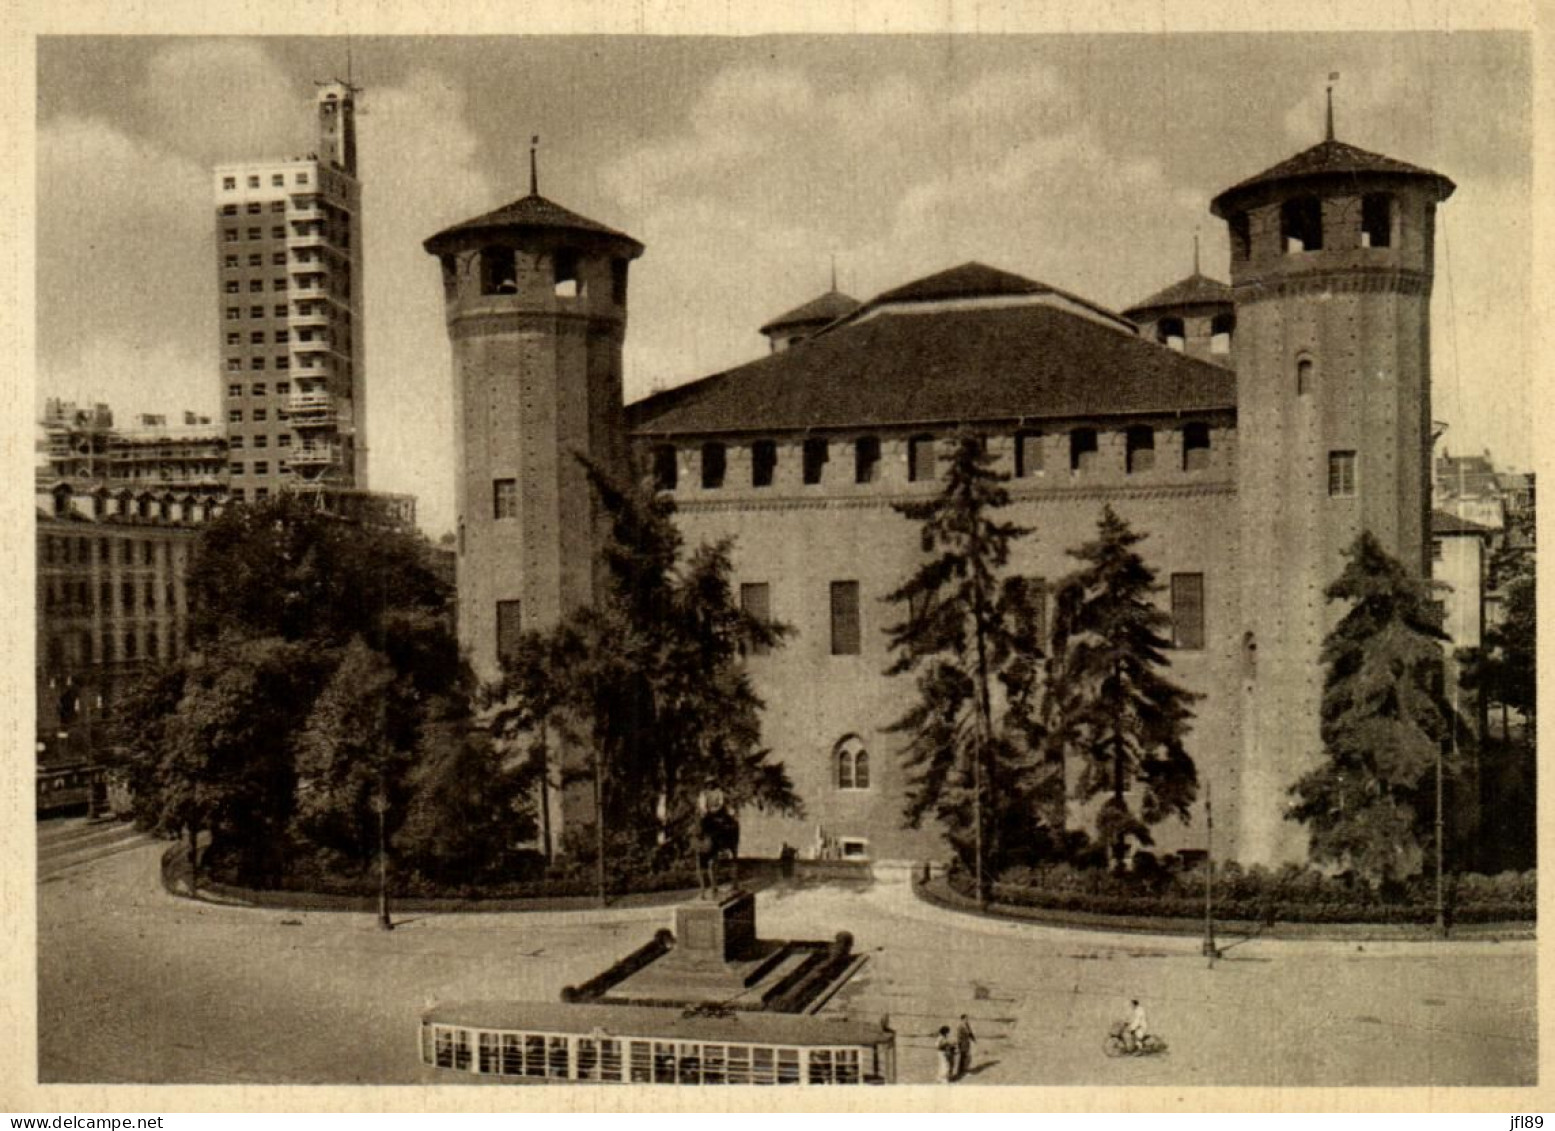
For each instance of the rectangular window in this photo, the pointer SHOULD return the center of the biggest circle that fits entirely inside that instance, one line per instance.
(510, 626)
(230, 235)
(277, 179)
(284, 440)
(235, 416)
(844, 618)
(253, 181)
(235, 469)
(234, 364)
(262, 467)
(261, 441)
(277, 233)
(1341, 474)
(255, 233)
(256, 363)
(229, 183)
(756, 600)
(259, 388)
(233, 313)
(1188, 611)
(815, 456)
(256, 286)
(920, 459)
(256, 312)
(280, 311)
(234, 339)
(278, 206)
(261, 414)
(232, 287)
(257, 338)
(866, 459)
(256, 260)
(1028, 454)
(1436, 549)
(504, 498)
(763, 463)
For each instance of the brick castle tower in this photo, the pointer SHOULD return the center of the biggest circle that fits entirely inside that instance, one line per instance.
(1331, 269)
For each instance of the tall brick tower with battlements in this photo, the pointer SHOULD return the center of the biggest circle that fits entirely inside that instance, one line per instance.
(535, 298)
(1331, 268)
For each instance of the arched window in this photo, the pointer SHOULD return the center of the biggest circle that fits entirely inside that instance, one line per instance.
(567, 280)
(713, 464)
(1221, 329)
(1082, 449)
(1195, 446)
(1141, 449)
(1303, 376)
(1171, 333)
(1301, 224)
(852, 764)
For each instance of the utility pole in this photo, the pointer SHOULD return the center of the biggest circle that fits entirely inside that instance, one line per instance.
(599, 823)
(1209, 876)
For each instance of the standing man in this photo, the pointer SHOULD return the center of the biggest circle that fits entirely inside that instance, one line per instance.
(964, 1040)
(945, 1050)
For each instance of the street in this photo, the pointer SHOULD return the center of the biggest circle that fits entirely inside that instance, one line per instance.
(136, 985)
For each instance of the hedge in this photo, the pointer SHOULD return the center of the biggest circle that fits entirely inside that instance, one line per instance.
(1256, 894)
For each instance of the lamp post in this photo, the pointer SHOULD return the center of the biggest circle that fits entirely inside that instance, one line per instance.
(381, 807)
(1209, 876)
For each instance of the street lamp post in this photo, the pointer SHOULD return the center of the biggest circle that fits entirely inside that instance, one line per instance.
(381, 807)
(1209, 877)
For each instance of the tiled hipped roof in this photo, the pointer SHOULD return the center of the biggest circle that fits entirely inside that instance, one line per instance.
(533, 212)
(998, 363)
(1195, 290)
(1329, 159)
(828, 308)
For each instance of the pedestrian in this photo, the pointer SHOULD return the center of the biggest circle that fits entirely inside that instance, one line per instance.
(946, 1048)
(964, 1040)
(1137, 1031)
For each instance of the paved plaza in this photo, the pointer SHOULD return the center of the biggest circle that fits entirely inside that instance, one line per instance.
(136, 985)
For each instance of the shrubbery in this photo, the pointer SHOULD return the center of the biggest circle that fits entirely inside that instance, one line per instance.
(1161, 889)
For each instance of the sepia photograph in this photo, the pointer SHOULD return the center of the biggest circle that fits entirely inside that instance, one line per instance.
(683, 561)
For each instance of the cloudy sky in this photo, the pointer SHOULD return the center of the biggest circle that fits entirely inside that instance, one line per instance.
(744, 164)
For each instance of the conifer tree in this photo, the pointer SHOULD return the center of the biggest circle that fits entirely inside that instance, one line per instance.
(1370, 805)
(650, 681)
(1112, 707)
(968, 638)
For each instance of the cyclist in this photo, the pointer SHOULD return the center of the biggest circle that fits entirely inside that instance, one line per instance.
(1137, 1031)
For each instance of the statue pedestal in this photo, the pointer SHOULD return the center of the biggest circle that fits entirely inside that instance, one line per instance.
(716, 933)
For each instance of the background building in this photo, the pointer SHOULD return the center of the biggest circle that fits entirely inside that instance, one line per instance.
(289, 292)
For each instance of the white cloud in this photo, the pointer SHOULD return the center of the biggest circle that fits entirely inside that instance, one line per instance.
(906, 176)
(124, 267)
(223, 100)
(420, 172)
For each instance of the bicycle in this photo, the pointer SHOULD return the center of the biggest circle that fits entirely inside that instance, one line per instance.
(1118, 1044)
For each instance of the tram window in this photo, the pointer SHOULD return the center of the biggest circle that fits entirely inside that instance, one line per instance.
(534, 1054)
(712, 1064)
(739, 1064)
(642, 1062)
(558, 1064)
(820, 1066)
(690, 1064)
(663, 1062)
(512, 1055)
(788, 1066)
(847, 1061)
(761, 1067)
(462, 1049)
(610, 1059)
(490, 1046)
(588, 1059)
(445, 1048)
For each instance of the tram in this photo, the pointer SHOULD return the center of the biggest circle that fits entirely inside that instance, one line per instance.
(552, 1043)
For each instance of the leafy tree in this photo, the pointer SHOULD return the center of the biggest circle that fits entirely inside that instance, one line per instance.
(968, 637)
(209, 750)
(322, 649)
(1112, 708)
(649, 682)
(284, 568)
(1370, 805)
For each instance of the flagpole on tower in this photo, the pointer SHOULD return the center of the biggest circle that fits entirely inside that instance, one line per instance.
(534, 174)
(1333, 77)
